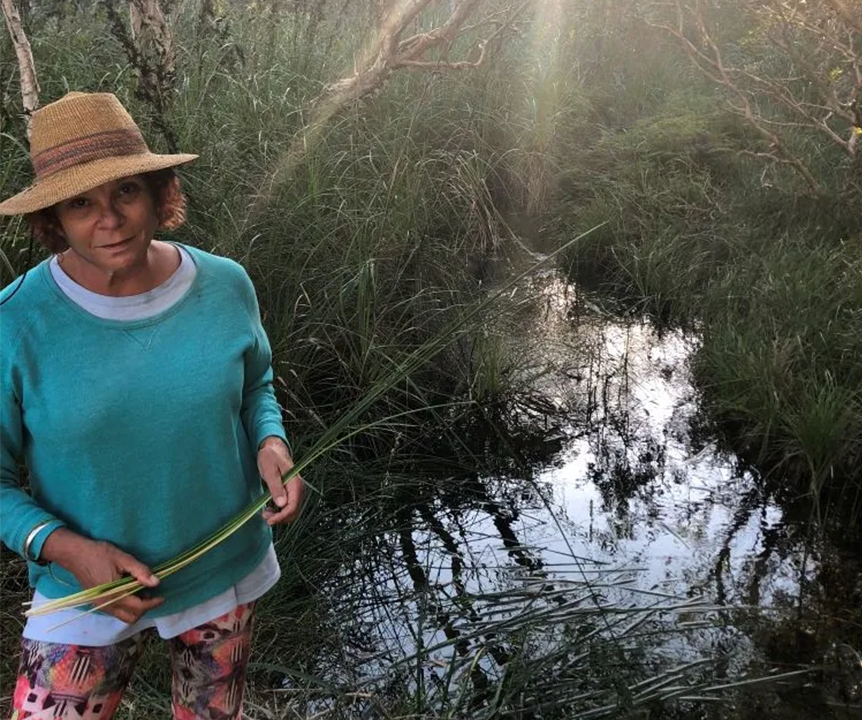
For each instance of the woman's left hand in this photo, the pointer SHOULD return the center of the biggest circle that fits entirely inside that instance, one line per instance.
(273, 461)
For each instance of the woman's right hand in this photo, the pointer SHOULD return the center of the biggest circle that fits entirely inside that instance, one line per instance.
(95, 562)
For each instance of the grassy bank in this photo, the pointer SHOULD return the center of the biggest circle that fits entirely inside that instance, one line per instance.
(770, 281)
(703, 234)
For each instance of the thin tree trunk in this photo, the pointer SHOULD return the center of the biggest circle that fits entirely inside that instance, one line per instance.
(149, 47)
(154, 43)
(29, 84)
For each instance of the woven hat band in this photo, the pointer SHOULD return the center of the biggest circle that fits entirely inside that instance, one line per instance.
(106, 144)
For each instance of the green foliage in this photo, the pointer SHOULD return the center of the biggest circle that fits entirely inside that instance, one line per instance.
(779, 358)
(375, 240)
(703, 236)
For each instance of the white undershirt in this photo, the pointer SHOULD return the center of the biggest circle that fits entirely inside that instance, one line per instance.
(130, 307)
(97, 629)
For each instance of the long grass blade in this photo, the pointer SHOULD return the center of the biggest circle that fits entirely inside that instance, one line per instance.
(339, 432)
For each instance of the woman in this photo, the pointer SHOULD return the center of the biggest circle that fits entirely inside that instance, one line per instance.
(137, 390)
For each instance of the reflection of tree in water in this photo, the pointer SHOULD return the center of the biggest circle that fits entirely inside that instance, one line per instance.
(463, 612)
(450, 593)
(797, 597)
(619, 472)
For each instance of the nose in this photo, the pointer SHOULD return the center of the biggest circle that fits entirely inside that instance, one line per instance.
(111, 216)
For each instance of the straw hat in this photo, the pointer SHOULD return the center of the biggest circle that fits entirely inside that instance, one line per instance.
(80, 142)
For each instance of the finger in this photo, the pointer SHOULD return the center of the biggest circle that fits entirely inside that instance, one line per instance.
(147, 604)
(275, 485)
(294, 489)
(127, 564)
(132, 608)
(276, 518)
(125, 615)
(291, 508)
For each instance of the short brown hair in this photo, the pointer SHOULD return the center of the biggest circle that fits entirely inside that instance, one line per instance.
(168, 198)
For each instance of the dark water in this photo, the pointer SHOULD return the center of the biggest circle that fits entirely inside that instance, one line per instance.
(636, 558)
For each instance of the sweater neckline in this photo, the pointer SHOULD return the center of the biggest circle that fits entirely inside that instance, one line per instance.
(72, 306)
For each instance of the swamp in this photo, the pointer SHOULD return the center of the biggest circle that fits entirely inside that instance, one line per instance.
(565, 303)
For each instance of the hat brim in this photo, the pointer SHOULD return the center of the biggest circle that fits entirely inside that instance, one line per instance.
(79, 179)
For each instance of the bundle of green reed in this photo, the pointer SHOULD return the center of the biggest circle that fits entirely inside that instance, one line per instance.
(104, 595)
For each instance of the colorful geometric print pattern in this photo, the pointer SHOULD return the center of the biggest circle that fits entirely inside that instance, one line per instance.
(75, 682)
(210, 664)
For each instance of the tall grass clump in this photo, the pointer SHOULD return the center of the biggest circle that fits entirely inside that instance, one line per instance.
(778, 360)
(703, 234)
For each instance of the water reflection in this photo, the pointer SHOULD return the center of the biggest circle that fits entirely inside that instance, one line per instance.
(640, 546)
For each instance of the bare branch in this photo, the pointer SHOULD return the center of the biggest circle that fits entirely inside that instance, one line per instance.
(445, 34)
(822, 93)
(390, 53)
(26, 66)
(847, 15)
(386, 54)
(443, 64)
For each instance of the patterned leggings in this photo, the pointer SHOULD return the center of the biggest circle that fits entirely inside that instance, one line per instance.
(75, 682)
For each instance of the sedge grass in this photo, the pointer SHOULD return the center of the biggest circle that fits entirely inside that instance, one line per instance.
(768, 280)
(227, 113)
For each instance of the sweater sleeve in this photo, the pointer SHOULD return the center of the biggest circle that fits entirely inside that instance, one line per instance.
(260, 412)
(20, 515)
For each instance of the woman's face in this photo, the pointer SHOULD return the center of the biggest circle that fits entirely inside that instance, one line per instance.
(111, 226)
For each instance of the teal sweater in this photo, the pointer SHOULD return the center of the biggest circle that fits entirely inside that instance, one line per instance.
(141, 433)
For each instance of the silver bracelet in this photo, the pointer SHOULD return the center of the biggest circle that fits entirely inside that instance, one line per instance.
(32, 536)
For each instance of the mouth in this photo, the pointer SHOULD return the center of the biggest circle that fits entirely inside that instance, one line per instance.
(112, 246)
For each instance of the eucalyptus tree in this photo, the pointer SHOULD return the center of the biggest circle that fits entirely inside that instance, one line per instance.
(793, 72)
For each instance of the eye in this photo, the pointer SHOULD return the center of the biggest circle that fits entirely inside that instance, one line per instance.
(129, 188)
(77, 203)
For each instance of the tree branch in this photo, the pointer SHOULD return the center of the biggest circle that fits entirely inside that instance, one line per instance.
(386, 54)
(26, 66)
(819, 39)
(847, 15)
